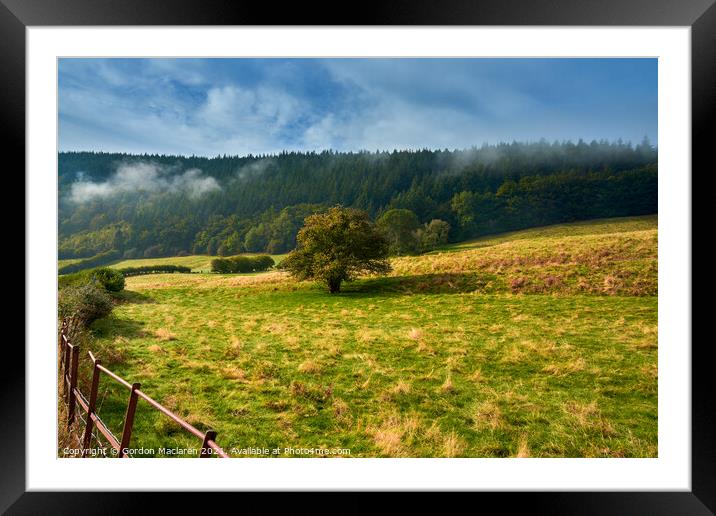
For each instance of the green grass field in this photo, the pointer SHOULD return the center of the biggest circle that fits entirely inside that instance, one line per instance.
(68, 261)
(197, 262)
(540, 343)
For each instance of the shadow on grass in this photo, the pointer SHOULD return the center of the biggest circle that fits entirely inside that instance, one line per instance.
(445, 283)
(112, 327)
(129, 296)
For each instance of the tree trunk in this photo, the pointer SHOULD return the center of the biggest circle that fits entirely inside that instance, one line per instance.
(334, 285)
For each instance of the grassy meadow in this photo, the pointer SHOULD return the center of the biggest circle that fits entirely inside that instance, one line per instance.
(197, 262)
(538, 343)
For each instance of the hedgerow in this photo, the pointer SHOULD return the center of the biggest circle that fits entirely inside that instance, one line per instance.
(84, 303)
(154, 269)
(110, 280)
(242, 264)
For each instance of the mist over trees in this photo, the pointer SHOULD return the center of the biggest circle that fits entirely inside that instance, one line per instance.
(156, 205)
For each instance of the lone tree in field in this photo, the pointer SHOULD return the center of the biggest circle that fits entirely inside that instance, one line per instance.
(336, 246)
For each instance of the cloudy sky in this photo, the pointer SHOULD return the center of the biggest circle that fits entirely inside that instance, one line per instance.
(241, 106)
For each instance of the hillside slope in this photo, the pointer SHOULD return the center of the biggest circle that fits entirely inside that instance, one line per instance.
(617, 256)
(440, 359)
(227, 205)
(601, 257)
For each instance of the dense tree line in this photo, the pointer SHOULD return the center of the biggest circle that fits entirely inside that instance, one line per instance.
(261, 201)
(406, 235)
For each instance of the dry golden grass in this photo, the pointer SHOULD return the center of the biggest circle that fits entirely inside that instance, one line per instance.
(573, 366)
(207, 281)
(342, 412)
(424, 349)
(291, 341)
(447, 385)
(514, 355)
(415, 333)
(604, 264)
(523, 449)
(477, 376)
(486, 414)
(462, 369)
(367, 335)
(310, 367)
(650, 370)
(393, 433)
(233, 373)
(164, 334)
(399, 389)
(584, 413)
(588, 416)
(453, 446)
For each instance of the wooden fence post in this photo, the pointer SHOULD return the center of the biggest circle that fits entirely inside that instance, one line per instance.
(210, 435)
(129, 420)
(66, 371)
(59, 339)
(61, 355)
(91, 407)
(73, 384)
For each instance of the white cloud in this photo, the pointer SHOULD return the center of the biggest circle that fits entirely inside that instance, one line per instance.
(208, 107)
(244, 110)
(143, 177)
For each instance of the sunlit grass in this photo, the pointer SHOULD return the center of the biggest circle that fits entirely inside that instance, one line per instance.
(430, 362)
(197, 262)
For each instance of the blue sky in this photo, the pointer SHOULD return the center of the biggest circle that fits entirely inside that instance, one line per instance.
(240, 106)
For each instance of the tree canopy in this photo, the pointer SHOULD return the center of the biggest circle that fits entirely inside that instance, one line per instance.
(258, 203)
(336, 246)
(400, 225)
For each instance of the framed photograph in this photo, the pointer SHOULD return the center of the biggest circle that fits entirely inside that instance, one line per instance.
(433, 249)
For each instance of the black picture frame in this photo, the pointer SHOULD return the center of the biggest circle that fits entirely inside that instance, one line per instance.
(700, 15)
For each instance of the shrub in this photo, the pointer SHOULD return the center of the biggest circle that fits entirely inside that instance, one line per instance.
(242, 264)
(432, 235)
(112, 280)
(153, 269)
(220, 265)
(73, 280)
(109, 279)
(85, 303)
(263, 262)
(399, 227)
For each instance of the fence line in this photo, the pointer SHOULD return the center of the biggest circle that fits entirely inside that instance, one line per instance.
(73, 397)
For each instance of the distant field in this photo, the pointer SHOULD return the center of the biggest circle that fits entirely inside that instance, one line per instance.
(68, 261)
(540, 343)
(587, 227)
(599, 257)
(197, 262)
